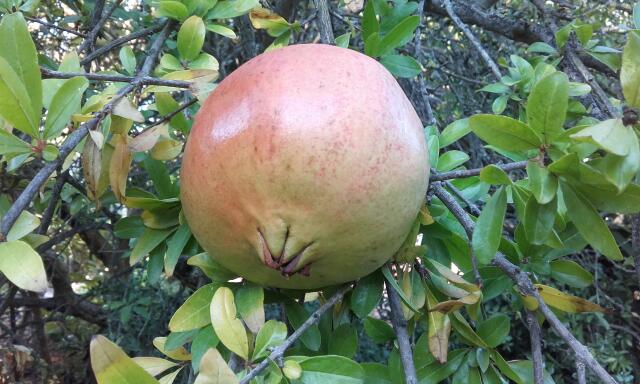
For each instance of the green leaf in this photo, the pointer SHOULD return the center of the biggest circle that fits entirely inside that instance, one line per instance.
(394, 285)
(226, 9)
(15, 104)
(630, 71)
(540, 47)
(610, 135)
(214, 370)
(539, 220)
(504, 132)
(250, 303)
(178, 339)
(505, 368)
(213, 270)
(367, 294)
(589, 223)
(11, 144)
(229, 329)
(571, 273)
(547, 105)
(64, 103)
(194, 312)
(128, 59)
(154, 365)
(492, 174)
(401, 65)
(370, 22)
(435, 373)
(621, 170)
(191, 38)
(205, 339)
(524, 369)
(378, 330)
(499, 104)
(112, 366)
(222, 30)
(173, 9)
(150, 239)
(464, 330)
(18, 49)
(542, 184)
(376, 373)
(399, 35)
(330, 369)
(22, 266)
(271, 335)
(129, 227)
(344, 341)
(343, 40)
(296, 314)
(23, 226)
(454, 132)
(495, 329)
(488, 230)
(451, 159)
(175, 245)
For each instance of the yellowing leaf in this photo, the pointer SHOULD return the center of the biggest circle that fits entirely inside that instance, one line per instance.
(214, 370)
(229, 329)
(170, 377)
(91, 160)
(195, 76)
(262, 18)
(292, 370)
(610, 135)
(179, 353)
(154, 365)
(250, 302)
(425, 216)
(26, 223)
(439, 330)
(147, 139)
(119, 167)
(124, 108)
(112, 366)
(565, 302)
(630, 71)
(22, 266)
(453, 305)
(167, 149)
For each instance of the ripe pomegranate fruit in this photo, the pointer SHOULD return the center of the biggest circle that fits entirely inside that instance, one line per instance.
(306, 167)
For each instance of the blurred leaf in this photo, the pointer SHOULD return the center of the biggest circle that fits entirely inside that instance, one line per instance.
(343, 40)
(222, 30)
(610, 135)
(344, 341)
(394, 285)
(330, 369)
(296, 314)
(167, 149)
(179, 353)
(504, 132)
(488, 230)
(128, 59)
(401, 65)
(399, 35)
(226, 9)
(630, 71)
(439, 329)
(454, 132)
(125, 108)
(150, 239)
(214, 370)
(119, 167)
(370, 22)
(178, 339)
(272, 334)
(367, 294)
(169, 378)
(413, 288)
(499, 104)
(173, 9)
(292, 369)
(19, 51)
(250, 303)
(378, 330)
(22, 266)
(175, 245)
(571, 273)
(112, 366)
(547, 106)
(375, 373)
(505, 368)
(10, 143)
(524, 369)
(129, 227)
(540, 47)
(154, 365)
(205, 339)
(591, 226)
(492, 174)
(91, 160)
(435, 373)
(229, 329)
(146, 140)
(23, 226)
(495, 329)
(262, 18)
(15, 104)
(464, 330)
(194, 312)
(65, 103)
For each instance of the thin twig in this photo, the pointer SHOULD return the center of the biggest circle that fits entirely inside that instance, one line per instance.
(147, 80)
(635, 242)
(324, 22)
(47, 215)
(50, 25)
(119, 42)
(472, 207)
(280, 350)
(527, 288)
(93, 34)
(536, 347)
(473, 39)
(404, 346)
(41, 177)
(582, 377)
(475, 172)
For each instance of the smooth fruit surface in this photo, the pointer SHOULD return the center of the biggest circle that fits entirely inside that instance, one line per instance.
(305, 168)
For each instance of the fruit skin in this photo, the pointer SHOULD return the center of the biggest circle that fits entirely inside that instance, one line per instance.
(311, 149)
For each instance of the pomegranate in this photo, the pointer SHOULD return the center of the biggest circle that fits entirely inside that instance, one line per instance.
(305, 168)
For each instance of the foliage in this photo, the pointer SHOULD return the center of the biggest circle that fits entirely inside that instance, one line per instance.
(105, 227)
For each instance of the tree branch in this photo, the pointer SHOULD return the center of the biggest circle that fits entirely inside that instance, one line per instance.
(324, 21)
(313, 319)
(119, 42)
(93, 34)
(536, 347)
(404, 346)
(147, 80)
(30, 191)
(474, 172)
(50, 25)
